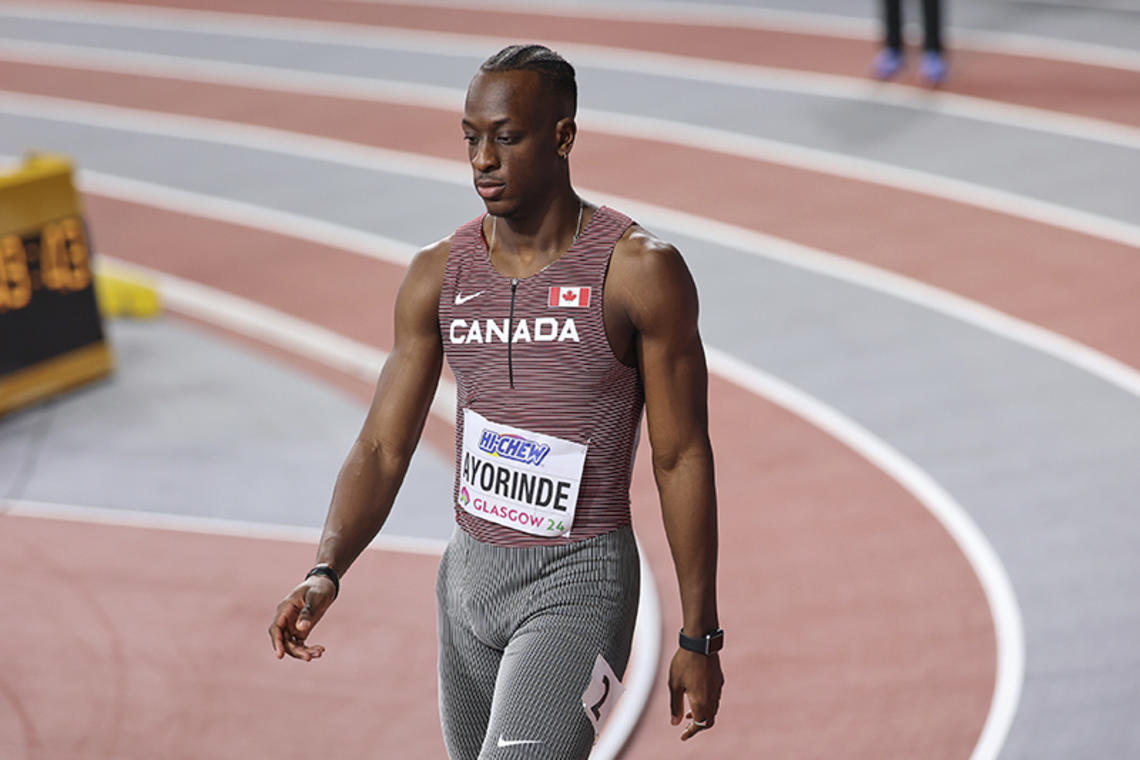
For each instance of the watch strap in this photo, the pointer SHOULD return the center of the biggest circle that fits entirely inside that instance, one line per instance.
(708, 644)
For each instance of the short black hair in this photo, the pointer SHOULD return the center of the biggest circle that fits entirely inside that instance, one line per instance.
(556, 72)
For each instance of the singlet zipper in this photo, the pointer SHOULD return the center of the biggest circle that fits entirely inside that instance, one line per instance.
(511, 332)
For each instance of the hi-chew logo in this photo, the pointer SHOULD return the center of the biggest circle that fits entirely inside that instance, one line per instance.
(513, 447)
(576, 297)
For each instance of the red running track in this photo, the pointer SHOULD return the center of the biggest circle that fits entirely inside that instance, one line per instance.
(859, 630)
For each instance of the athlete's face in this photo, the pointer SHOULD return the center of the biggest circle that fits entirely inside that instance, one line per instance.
(514, 135)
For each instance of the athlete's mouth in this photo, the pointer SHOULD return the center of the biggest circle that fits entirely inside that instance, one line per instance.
(489, 189)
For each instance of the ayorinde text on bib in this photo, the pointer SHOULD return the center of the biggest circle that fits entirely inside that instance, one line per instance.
(518, 478)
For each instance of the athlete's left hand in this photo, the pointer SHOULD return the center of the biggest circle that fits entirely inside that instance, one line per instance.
(699, 676)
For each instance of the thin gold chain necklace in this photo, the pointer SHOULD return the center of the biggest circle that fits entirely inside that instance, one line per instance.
(577, 229)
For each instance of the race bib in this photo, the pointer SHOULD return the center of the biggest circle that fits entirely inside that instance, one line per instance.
(523, 480)
(601, 694)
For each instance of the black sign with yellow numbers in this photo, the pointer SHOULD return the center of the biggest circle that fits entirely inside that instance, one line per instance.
(46, 295)
(51, 336)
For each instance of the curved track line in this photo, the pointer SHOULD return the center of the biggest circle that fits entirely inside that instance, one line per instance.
(700, 70)
(700, 14)
(211, 526)
(802, 22)
(747, 241)
(666, 131)
(277, 328)
(291, 143)
(799, 22)
(985, 563)
(343, 354)
(1009, 629)
(450, 44)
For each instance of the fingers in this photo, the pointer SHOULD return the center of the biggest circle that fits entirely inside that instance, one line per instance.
(296, 647)
(282, 622)
(696, 726)
(294, 620)
(676, 703)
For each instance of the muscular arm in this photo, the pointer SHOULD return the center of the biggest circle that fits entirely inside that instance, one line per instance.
(661, 302)
(376, 464)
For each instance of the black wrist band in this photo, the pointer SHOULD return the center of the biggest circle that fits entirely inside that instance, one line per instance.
(706, 645)
(328, 572)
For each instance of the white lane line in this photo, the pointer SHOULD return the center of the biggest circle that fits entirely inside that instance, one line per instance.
(211, 526)
(1008, 626)
(289, 332)
(343, 354)
(693, 14)
(929, 297)
(256, 217)
(296, 81)
(268, 139)
(642, 670)
(277, 328)
(770, 19)
(645, 63)
(802, 22)
(673, 221)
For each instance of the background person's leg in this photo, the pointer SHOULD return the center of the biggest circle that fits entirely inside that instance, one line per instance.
(892, 24)
(889, 61)
(932, 25)
(933, 66)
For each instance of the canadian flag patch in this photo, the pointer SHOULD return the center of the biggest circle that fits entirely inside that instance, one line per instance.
(575, 297)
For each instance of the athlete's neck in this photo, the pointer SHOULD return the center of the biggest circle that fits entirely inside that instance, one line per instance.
(521, 245)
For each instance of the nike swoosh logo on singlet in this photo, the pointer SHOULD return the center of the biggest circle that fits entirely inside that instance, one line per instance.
(462, 299)
(513, 742)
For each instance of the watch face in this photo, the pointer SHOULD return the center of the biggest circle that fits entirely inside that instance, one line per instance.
(716, 641)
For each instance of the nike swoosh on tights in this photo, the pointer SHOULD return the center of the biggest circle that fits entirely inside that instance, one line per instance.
(513, 742)
(462, 299)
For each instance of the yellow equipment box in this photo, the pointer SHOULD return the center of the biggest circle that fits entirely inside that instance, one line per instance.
(51, 336)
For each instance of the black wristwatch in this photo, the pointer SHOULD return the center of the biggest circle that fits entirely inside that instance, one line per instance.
(706, 645)
(328, 572)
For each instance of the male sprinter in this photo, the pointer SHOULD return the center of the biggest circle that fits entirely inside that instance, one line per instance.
(560, 323)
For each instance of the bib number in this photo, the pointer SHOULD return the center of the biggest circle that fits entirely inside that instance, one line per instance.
(601, 694)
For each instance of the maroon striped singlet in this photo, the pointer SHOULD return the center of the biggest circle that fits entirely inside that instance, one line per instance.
(567, 382)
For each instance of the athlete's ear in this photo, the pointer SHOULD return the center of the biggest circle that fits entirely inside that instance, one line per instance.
(564, 131)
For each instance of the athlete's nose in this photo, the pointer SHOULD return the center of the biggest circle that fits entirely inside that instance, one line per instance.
(483, 156)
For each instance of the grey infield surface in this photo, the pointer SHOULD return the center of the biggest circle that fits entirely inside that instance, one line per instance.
(1041, 454)
(189, 425)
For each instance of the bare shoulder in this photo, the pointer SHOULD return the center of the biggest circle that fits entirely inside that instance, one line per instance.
(425, 271)
(419, 293)
(642, 252)
(649, 273)
(431, 259)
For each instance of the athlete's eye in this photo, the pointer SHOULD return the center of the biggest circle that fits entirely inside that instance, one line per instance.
(469, 139)
(507, 139)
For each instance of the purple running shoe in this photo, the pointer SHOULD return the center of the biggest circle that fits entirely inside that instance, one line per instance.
(888, 63)
(933, 67)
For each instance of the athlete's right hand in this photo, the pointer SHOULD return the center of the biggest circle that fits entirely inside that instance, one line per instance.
(297, 614)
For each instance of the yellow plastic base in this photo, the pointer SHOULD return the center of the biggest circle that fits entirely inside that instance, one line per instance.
(120, 294)
(54, 375)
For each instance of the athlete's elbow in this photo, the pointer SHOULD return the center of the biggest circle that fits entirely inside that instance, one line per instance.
(385, 455)
(670, 459)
